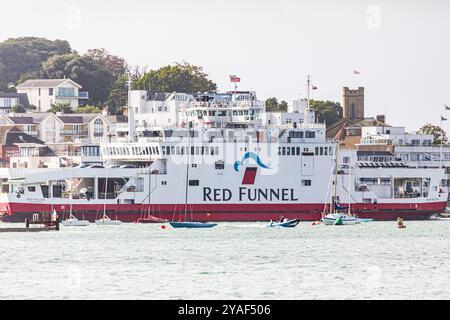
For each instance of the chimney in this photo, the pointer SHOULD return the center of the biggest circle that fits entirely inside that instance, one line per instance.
(381, 118)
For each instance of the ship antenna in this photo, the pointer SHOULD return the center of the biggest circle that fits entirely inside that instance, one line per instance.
(131, 122)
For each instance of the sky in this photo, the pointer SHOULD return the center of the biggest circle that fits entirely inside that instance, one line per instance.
(401, 48)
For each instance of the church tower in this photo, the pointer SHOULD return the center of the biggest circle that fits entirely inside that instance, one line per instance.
(353, 103)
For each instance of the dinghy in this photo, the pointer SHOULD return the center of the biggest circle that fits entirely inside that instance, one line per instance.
(440, 217)
(365, 220)
(192, 224)
(285, 223)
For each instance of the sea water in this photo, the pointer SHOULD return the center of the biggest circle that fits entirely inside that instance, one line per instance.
(232, 261)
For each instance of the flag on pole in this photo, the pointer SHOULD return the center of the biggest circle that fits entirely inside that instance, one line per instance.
(443, 119)
(356, 72)
(446, 107)
(233, 78)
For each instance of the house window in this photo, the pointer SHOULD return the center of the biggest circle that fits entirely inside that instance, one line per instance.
(50, 91)
(98, 128)
(194, 183)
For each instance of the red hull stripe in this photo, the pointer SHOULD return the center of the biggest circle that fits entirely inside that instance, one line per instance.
(225, 212)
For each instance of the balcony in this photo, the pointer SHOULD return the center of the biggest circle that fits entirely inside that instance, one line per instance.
(84, 95)
(76, 133)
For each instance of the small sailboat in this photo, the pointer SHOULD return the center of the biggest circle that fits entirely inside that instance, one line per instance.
(190, 223)
(105, 220)
(337, 217)
(72, 221)
(284, 223)
(151, 219)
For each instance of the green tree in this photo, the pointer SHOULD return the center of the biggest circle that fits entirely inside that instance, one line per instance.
(118, 96)
(180, 77)
(271, 104)
(18, 109)
(283, 106)
(88, 109)
(115, 64)
(92, 76)
(326, 111)
(24, 56)
(61, 107)
(437, 132)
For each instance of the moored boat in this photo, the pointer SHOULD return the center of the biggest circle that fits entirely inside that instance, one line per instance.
(286, 223)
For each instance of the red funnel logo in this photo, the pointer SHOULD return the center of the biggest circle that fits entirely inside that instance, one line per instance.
(249, 175)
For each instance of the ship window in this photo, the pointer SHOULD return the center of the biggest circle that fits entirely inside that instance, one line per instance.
(279, 151)
(321, 151)
(220, 165)
(317, 151)
(325, 151)
(306, 183)
(164, 183)
(298, 151)
(32, 189)
(194, 183)
(288, 151)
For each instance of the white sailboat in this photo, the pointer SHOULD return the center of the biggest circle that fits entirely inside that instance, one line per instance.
(105, 220)
(336, 216)
(72, 221)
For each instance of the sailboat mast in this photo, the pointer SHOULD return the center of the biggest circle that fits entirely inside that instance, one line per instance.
(149, 182)
(188, 151)
(106, 193)
(335, 175)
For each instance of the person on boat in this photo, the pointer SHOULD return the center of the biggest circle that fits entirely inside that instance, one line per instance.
(400, 222)
(281, 219)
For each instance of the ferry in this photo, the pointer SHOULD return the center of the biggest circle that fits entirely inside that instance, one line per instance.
(239, 170)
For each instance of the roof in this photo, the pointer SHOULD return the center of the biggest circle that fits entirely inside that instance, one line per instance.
(117, 119)
(11, 135)
(21, 120)
(71, 119)
(23, 97)
(45, 83)
(337, 129)
(158, 96)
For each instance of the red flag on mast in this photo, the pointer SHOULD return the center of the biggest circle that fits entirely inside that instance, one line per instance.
(233, 78)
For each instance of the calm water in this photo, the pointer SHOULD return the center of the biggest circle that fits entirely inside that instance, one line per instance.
(233, 261)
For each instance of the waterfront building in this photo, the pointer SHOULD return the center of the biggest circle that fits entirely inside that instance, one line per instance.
(42, 93)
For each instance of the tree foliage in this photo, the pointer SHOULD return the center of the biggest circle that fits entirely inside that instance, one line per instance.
(88, 109)
(61, 107)
(180, 77)
(18, 109)
(272, 105)
(115, 64)
(328, 112)
(118, 96)
(23, 57)
(92, 76)
(437, 132)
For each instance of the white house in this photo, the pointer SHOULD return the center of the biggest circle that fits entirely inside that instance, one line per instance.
(43, 92)
(9, 100)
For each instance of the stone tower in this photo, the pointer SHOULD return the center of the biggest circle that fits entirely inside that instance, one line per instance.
(353, 103)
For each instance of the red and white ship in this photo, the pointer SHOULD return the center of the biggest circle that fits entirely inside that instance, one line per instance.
(224, 173)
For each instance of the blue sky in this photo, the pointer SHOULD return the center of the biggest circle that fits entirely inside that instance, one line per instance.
(400, 47)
